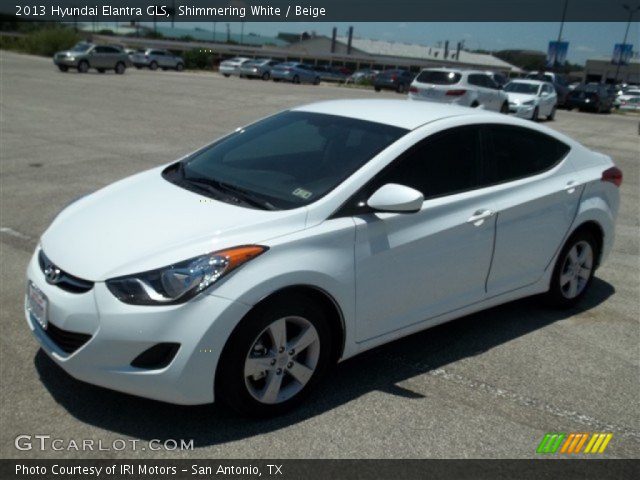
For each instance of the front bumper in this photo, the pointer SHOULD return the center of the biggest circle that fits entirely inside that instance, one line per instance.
(120, 332)
(66, 61)
(229, 70)
(522, 111)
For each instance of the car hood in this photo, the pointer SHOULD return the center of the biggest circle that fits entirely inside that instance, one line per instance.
(521, 97)
(145, 222)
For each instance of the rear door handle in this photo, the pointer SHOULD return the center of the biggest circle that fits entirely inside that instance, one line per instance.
(480, 216)
(570, 187)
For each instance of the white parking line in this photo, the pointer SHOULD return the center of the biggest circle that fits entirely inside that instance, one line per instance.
(15, 233)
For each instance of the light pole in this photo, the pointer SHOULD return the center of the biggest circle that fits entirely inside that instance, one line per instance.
(626, 32)
(564, 14)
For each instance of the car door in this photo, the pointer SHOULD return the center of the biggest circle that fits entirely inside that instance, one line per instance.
(494, 93)
(413, 267)
(536, 199)
(479, 84)
(99, 57)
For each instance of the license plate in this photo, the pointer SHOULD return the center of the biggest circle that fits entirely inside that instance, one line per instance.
(429, 93)
(37, 304)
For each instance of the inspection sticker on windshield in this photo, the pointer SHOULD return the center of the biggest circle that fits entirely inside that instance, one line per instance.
(302, 193)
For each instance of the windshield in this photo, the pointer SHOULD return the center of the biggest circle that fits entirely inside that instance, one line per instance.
(439, 77)
(520, 87)
(290, 159)
(81, 47)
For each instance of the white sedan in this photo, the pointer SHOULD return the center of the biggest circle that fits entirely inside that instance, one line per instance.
(532, 99)
(243, 270)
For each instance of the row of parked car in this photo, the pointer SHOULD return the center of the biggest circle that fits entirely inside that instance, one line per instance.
(84, 56)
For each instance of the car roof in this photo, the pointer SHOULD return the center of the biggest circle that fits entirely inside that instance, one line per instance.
(530, 81)
(398, 113)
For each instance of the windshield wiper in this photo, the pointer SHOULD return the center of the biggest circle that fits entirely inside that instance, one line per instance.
(236, 193)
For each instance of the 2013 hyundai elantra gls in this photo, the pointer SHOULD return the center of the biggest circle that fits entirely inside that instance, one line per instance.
(243, 270)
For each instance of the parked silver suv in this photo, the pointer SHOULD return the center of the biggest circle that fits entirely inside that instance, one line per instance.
(84, 56)
(153, 58)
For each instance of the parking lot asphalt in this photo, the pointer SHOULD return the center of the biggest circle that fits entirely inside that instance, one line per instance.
(489, 385)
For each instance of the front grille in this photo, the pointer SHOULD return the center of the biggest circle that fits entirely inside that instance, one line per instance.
(66, 340)
(63, 279)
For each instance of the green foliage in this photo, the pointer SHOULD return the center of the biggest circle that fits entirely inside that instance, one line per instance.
(46, 41)
(198, 59)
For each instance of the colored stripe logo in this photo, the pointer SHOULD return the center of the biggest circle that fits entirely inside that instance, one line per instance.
(572, 443)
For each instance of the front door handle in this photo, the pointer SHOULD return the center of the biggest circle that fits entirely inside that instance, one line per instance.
(480, 216)
(570, 187)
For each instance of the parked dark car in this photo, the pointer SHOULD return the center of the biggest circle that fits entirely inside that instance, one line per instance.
(593, 97)
(398, 80)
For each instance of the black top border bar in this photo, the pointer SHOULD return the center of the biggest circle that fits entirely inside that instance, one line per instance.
(325, 10)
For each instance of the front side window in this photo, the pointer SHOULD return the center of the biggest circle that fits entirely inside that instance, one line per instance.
(444, 164)
(291, 159)
(517, 152)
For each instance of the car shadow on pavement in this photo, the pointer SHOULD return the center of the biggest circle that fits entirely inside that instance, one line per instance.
(379, 369)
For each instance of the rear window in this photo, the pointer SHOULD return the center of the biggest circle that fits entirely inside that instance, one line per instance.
(439, 78)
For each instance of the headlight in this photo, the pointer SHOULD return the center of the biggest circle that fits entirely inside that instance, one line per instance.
(529, 102)
(182, 281)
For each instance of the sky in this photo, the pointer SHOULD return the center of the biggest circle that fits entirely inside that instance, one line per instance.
(586, 40)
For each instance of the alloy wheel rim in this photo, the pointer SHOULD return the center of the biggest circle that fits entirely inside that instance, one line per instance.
(576, 270)
(282, 359)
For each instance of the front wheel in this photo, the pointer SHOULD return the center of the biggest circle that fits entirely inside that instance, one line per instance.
(180, 67)
(153, 65)
(296, 79)
(63, 68)
(574, 270)
(120, 68)
(274, 357)
(401, 88)
(377, 89)
(266, 76)
(505, 108)
(552, 114)
(536, 113)
(83, 66)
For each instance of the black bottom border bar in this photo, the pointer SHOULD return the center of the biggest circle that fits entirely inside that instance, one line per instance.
(321, 469)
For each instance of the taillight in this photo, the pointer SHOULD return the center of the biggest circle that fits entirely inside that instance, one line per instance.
(413, 89)
(146, 56)
(613, 175)
(394, 77)
(455, 93)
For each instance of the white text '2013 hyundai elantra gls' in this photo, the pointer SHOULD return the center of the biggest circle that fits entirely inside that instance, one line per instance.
(242, 271)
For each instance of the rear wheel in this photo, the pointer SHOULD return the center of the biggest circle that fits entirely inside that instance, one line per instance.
(276, 355)
(377, 89)
(120, 68)
(574, 269)
(226, 75)
(401, 88)
(101, 70)
(266, 76)
(83, 66)
(296, 79)
(316, 81)
(180, 67)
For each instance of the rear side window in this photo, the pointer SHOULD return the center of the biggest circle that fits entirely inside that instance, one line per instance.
(441, 165)
(478, 80)
(517, 152)
(439, 78)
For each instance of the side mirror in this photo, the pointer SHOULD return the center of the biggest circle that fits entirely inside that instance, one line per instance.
(396, 198)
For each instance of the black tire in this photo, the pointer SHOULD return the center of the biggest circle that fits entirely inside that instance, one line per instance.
(401, 88)
(120, 68)
(536, 114)
(180, 67)
(226, 75)
(100, 70)
(138, 67)
(475, 104)
(276, 79)
(230, 385)
(83, 66)
(552, 115)
(316, 81)
(63, 68)
(296, 79)
(556, 296)
(266, 76)
(377, 89)
(153, 65)
(505, 108)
